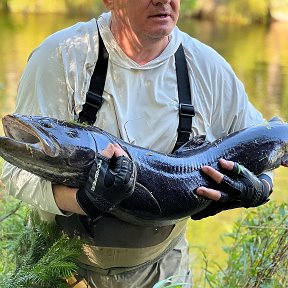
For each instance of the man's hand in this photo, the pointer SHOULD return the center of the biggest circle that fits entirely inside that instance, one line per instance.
(240, 186)
(111, 179)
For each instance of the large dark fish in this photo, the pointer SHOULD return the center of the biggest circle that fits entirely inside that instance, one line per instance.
(165, 191)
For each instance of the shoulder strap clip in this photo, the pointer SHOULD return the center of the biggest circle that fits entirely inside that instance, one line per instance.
(186, 110)
(94, 99)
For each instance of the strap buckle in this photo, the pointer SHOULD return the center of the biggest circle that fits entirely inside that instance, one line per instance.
(184, 131)
(186, 110)
(94, 99)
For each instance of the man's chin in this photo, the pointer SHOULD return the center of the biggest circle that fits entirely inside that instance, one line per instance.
(160, 33)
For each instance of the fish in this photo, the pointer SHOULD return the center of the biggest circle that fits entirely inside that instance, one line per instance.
(63, 152)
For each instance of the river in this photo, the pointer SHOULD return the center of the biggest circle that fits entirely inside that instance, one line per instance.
(258, 54)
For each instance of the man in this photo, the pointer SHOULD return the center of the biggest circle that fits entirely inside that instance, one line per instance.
(141, 106)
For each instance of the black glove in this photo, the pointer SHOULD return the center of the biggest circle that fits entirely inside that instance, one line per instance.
(244, 187)
(110, 181)
(240, 189)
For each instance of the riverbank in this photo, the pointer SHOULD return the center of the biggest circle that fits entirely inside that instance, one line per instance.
(242, 12)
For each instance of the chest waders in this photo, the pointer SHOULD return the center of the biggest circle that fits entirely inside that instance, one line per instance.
(112, 242)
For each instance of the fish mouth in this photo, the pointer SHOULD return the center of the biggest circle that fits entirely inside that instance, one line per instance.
(24, 131)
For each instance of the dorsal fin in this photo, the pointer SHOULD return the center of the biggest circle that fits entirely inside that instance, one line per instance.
(195, 143)
(276, 119)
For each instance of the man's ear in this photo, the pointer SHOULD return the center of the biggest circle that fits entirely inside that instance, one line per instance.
(108, 4)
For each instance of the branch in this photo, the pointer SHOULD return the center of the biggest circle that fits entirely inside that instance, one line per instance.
(11, 212)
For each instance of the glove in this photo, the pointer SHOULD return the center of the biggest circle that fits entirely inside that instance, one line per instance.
(240, 189)
(243, 187)
(110, 181)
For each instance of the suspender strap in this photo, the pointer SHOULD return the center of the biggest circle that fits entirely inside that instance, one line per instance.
(186, 109)
(94, 98)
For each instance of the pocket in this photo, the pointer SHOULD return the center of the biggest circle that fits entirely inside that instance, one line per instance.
(137, 131)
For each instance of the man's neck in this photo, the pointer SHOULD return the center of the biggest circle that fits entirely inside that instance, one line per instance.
(143, 54)
(141, 51)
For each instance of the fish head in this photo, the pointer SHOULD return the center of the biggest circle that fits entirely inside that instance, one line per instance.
(259, 148)
(272, 144)
(46, 145)
(279, 153)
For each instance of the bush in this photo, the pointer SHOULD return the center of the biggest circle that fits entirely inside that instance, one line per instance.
(259, 252)
(35, 254)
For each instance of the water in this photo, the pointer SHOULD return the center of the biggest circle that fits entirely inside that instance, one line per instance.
(258, 54)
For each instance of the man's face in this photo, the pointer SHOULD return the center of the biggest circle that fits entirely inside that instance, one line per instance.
(146, 18)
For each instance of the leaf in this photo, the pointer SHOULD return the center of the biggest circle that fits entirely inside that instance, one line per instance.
(167, 283)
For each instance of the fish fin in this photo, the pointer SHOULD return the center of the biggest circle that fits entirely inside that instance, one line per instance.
(276, 119)
(195, 143)
(142, 199)
(214, 208)
(151, 197)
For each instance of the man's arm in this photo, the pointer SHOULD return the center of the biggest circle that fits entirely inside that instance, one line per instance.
(66, 198)
(48, 87)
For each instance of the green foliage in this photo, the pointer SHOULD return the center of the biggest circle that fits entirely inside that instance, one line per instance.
(259, 253)
(188, 6)
(71, 7)
(42, 256)
(247, 11)
(243, 11)
(4, 5)
(11, 225)
(38, 255)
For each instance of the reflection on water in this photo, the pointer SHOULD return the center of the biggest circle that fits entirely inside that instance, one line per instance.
(258, 54)
(19, 35)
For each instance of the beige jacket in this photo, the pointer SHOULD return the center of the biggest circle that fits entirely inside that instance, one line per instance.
(141, 102)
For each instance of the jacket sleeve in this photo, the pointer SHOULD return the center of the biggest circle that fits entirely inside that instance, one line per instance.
(232, 110)
(53, 78)
(38, 94)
